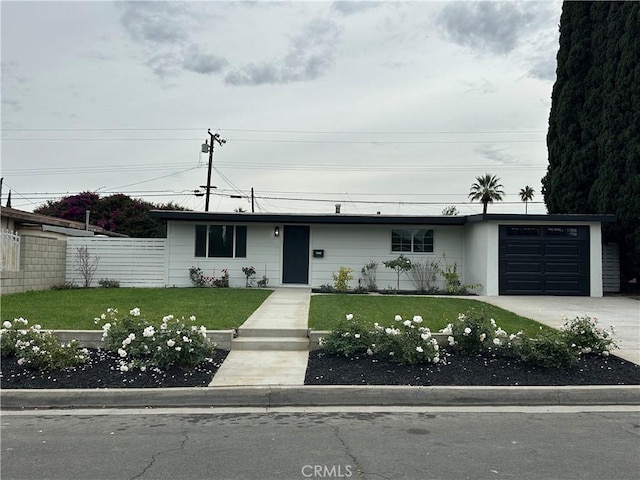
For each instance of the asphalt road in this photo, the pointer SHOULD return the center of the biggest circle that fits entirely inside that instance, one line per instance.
(415, 443)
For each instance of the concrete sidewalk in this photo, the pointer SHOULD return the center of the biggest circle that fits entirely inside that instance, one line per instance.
(621, 312)
(272, 347)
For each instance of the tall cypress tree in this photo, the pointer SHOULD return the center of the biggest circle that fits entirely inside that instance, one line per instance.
(594, 124)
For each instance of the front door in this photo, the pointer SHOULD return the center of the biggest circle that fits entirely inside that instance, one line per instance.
(295, 258)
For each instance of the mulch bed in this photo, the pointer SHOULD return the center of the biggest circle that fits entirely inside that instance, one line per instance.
(102, 371)
(476, 370)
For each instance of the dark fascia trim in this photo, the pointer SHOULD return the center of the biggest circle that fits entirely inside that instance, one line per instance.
(307, 219)
(542, 218)
(348, 219)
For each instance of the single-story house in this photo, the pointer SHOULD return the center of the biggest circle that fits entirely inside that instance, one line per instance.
(502, 254)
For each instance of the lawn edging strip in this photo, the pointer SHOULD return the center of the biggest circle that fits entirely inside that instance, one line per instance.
(339, 395)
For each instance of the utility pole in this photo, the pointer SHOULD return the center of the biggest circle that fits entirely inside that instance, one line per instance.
(215, 137)
(252, 201)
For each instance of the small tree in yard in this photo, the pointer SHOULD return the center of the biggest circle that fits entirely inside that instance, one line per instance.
(86, 266)
(399, 265)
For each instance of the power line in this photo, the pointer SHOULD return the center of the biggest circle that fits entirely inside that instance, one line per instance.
(271, 140)
(321, 132)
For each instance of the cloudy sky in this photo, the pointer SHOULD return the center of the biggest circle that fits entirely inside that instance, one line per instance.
(391, 107)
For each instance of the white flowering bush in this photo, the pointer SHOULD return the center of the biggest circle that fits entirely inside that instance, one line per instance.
(405, 341)
(563, 348)
(141, 344)
(585, 334)
(349, 338)
(474, 333)
(38, 348)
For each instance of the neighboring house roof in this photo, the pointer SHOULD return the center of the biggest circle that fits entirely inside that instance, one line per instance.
(343, 219)
(25, 220)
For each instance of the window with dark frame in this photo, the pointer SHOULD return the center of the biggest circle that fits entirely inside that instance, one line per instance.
(418, 240)
(221, 241)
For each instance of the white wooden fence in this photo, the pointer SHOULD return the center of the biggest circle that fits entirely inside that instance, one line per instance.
(134, 262)
(9, 251)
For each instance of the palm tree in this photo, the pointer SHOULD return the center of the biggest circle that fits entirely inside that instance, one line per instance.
(526, 195)
(486, 189)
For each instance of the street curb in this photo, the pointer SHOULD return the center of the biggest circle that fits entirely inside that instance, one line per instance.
(307, 396)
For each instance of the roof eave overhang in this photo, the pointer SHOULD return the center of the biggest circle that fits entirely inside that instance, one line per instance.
(348, 219)
(333, 219)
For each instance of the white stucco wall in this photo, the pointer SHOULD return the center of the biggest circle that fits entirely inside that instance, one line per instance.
(350, 246)
(354, 246)
(595, 262)
(481, 257)
(263, 252)
(474, 247)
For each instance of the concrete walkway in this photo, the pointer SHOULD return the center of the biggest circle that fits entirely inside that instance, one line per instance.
(272, 347)
(621, 312)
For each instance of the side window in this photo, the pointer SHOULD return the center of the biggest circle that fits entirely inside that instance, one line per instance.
(241, 241)
(423, 241)
(419, 240)
(201, 240)
(220, 241)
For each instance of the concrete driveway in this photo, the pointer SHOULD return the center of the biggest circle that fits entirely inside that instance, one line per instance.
(621, 312)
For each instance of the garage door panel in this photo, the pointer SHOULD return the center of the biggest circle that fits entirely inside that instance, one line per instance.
(522, 267)
(525, 287)
(564, 250)
(522, 249)
(563, 267)
(564, 286)
(544, 260)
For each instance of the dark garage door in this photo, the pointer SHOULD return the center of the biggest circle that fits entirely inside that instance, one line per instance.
(544, 260)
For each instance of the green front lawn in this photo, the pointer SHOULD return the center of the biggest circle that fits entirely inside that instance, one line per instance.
(216, 309)
(327, 311)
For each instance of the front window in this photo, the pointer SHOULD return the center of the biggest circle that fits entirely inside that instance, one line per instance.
(418, 240)
(222, 241)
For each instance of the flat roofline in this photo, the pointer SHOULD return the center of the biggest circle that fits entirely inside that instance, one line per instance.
(542, 218)
(351, 219)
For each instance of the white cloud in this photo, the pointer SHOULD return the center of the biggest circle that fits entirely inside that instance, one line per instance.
(311, 53)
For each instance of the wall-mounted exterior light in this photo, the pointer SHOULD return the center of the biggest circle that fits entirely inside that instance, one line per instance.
(276, 231)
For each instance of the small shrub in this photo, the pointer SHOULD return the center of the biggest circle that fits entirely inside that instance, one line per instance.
(452, 282)
(223, 281)
(423, 274)
(197, 277)
(37, 348)
(407, 341)
(326, 288)
(342, 278)
(109, 283)
(584, 334)
(348, 339)
(369, 272)
(475, 333)
(248, 273)
(472, 333)
(142, 344)
(65, 286)
(549, 350)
